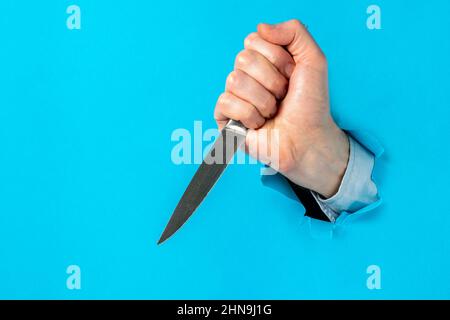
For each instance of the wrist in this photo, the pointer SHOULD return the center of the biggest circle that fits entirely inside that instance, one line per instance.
(323, 164)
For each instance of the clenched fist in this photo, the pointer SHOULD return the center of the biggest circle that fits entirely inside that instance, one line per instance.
(280, 83)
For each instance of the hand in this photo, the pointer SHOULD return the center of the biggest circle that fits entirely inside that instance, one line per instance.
(280, 82)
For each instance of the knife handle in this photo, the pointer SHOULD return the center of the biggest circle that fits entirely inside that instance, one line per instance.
(236, 127)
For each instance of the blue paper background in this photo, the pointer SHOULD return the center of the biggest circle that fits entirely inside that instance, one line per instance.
(86, 176)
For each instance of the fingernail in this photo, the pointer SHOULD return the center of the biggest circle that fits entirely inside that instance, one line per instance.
(289, 69)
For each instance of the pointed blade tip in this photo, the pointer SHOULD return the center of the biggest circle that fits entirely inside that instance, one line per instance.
(161, 240)
(163, 237)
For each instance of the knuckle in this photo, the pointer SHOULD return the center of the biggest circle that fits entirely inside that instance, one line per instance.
(232, 79)
(248, 41)
(244, 59)
(217, 114)
(297, 23)
(239, 77)
(221, 102)
(223, 99)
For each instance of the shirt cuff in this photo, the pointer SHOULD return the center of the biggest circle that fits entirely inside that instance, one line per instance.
(357, 189)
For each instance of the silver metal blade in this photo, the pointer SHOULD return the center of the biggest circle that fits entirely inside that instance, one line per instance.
(217, 159)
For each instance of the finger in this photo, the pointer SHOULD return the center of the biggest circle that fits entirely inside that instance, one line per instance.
(259, 68)
(294, 36)
(278, 56)
(231, 107)
(245, 87)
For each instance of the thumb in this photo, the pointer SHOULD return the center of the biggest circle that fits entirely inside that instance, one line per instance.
(295, 38)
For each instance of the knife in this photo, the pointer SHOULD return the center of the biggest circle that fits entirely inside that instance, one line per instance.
(229, 140)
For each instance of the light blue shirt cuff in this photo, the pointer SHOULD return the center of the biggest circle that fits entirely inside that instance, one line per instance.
(357, 189)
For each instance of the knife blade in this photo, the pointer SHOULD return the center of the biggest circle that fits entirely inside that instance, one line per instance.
(229, 140)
